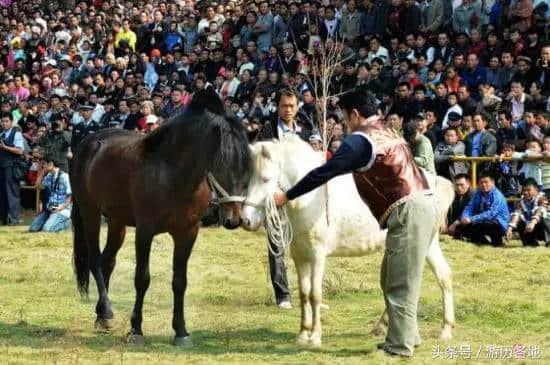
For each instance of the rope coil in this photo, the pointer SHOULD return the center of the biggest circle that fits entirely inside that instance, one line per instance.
(278, 227)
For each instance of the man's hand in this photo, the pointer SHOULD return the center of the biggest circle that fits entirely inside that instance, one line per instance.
(465, 221)
(2, 145)
(509, 233)
(280, 198)
(452, 229)
(530, 227)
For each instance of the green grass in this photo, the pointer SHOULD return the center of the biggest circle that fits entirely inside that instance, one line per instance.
(502, 298)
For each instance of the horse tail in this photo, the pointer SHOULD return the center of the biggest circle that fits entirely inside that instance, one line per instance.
(80, 251)
(445, 195)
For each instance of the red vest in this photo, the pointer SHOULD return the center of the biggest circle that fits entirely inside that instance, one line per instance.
(393, 176)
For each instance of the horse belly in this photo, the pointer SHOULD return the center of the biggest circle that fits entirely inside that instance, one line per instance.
(353, 230)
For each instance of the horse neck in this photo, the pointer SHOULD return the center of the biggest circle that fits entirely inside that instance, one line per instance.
(184, 145)
(298, 161)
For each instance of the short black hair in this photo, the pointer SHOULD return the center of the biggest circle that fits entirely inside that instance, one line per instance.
(364, 102)
(462, 176)
(530, 182)
(486, 175)
(287, 91)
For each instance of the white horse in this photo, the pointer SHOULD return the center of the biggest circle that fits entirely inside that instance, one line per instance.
(352, 230)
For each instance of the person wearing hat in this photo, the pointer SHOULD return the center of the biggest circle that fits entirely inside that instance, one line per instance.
(12, 146)
(316, 142)
(56, 215)
(86, 127)
(56, 141)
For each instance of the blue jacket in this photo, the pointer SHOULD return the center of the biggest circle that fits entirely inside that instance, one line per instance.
(488, 207)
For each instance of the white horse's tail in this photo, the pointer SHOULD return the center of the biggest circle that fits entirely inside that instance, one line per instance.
(445, 194)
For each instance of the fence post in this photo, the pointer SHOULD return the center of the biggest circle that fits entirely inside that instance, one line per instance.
(474, 174)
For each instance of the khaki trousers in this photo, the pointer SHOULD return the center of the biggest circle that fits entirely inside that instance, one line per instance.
(411, 228)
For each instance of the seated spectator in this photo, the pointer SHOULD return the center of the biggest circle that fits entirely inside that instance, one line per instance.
(528, 219)
(56, 215)
(545, 167)
(447, 149)
(466, 127)
(463, 194)
(485, 216)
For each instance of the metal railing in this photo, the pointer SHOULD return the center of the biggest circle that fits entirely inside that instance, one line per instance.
(473, 161)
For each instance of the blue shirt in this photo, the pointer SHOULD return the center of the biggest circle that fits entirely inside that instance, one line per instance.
(486, 207)
(59, 190)
(476, 145)
(355, 153)
(18, 140)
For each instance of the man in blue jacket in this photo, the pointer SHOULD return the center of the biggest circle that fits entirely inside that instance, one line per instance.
(485, 216)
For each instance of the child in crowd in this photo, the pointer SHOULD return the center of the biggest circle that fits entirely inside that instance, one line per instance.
(452, 99)
(530, 169)
(507, 176)
(528, 218)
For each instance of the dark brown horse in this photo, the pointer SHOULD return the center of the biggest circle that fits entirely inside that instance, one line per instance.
(157, 183)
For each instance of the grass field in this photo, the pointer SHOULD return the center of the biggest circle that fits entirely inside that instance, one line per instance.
(502, 298)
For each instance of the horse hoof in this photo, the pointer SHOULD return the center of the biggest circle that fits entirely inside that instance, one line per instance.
(184, 341)
(302, 339)
(315, 342)
(446, 335)
(104, 325)
(136, 339)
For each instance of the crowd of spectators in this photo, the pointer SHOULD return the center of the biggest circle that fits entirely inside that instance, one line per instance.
(457, 77)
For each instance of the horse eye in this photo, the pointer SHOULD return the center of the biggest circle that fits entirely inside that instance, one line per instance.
(265, 179)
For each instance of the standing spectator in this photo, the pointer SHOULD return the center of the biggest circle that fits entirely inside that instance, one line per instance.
(486, 215)
(264, 27)
(432, 16)
(56, 142)
(412, 18)
(56, 215)
(86, 127)
(480, 142)
(285, 123)
(420, 144)
(466, 17)
(447, 149)
(12, 146)
(351, 23)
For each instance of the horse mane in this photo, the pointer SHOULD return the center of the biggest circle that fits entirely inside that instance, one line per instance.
(203, 138)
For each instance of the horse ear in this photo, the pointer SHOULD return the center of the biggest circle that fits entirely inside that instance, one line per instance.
(266, 152)
(208, 99)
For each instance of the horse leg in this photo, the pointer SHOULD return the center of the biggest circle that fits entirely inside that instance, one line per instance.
(381, 327)
(303, 269)
(115, 238)
(443, 274)
(316, 296)
(141, 281)
(103, 310)
(183, 245)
